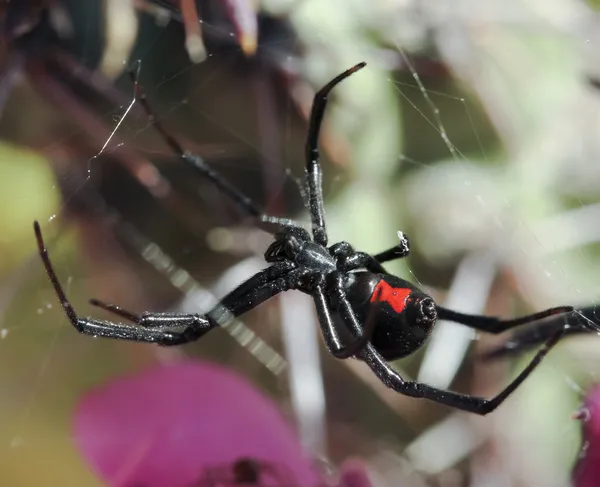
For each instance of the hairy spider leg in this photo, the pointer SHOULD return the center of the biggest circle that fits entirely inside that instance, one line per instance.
(393, 380)
(197, 163)
(313, 168)
(195, 325)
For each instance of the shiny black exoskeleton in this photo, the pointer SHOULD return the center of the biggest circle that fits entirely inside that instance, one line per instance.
(404, 316)
(393, 315)
(363, 311)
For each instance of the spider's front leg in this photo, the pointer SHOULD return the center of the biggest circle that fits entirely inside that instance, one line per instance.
(149, 327)
(257, 289)
(280, 277)
(192, 326)
(159, 328)
(348, 259)
(398, 251)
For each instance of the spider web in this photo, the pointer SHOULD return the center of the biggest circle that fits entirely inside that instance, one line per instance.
(466, 166)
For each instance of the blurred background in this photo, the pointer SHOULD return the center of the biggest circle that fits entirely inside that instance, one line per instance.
(474, 130)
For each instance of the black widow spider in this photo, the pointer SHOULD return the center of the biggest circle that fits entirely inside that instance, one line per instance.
(386, 316)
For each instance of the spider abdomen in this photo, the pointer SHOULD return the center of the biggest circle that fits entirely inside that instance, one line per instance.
(405, 316)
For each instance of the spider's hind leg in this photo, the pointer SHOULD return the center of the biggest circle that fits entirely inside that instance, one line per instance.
(491, 324)
(464, 402)
(583, 320)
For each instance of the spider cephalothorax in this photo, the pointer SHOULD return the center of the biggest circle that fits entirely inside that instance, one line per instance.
(363, 310)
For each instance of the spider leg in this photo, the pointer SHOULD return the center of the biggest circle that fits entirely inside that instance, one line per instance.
(150, 319)
(348, 259)
(313, 169)
(117, 310)
(584, 320)
(273, 272)
(529, 338)
(330, 334)
(242, 201)
(362, 259)
(396, 252)
(196, 325)
(474, 404)
(491, 324)
(464, 402)
(255, 285)
(244, 298)
(256, 290)
(198, 164)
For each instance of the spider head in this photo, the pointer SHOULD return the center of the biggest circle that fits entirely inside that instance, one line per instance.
(287, 244)
(285, 247)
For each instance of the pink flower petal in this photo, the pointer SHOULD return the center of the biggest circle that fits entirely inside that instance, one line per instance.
(166, 426)
(353, 473)
(587, 471)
